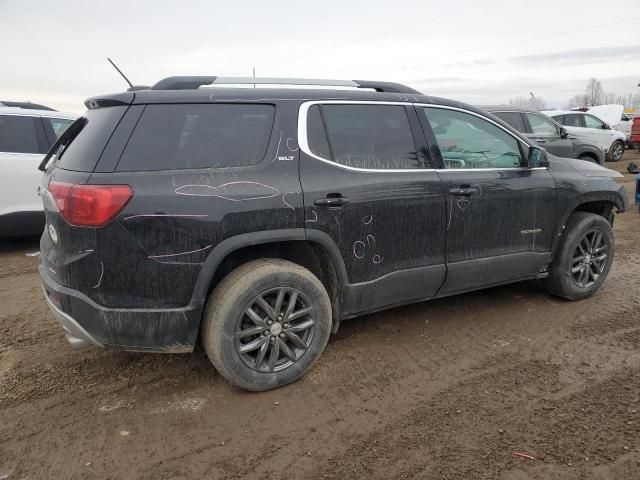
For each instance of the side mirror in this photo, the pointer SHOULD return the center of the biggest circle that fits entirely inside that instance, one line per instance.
(537, 158)
(563, 133)
(606, 127)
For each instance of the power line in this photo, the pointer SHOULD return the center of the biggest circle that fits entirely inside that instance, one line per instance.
(307, 55)
(489, 47)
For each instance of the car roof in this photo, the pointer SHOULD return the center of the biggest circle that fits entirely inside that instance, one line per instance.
(552, 113)
(370, 92)
(267, 95)
(507, 108)
(31, 112)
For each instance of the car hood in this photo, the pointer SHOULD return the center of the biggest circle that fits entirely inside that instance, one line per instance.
(583, 167)
(611, 114)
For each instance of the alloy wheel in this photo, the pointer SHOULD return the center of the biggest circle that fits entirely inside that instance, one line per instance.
(616, 152)
(589, 259)
(275, 329)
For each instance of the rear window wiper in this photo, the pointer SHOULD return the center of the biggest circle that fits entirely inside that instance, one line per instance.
(63, 141)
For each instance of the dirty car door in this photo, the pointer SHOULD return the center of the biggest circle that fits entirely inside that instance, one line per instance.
(500, 223)
(367, 189)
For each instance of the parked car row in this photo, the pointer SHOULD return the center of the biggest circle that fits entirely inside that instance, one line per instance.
(550, 135)
(258, 219)
(27, 132)
(595, 124)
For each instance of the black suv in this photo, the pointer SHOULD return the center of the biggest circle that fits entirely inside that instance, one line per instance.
(549, 134)
(257, 219)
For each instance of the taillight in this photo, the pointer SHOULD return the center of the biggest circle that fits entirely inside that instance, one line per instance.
(89, 205)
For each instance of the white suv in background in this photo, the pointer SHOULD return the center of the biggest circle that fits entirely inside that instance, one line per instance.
(27, 131)
(588, 125)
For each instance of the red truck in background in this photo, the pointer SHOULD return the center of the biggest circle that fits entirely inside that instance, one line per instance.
(635, 132)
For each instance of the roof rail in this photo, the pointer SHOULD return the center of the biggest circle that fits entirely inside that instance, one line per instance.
(194, 82)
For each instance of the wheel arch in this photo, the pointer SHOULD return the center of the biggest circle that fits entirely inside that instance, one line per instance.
(599, 203)
(589, 154)
(311, 249)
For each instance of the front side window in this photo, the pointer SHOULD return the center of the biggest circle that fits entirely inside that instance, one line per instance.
(542, 126)
(363, 136)
(185, 136)
(18, 134)
(592, 122)
(468, 141)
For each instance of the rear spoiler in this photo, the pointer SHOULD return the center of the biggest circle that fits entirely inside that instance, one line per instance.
(110, 100)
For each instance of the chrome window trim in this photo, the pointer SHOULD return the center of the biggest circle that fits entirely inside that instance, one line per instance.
(303, 141)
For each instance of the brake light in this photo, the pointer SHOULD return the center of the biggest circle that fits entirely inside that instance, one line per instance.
(89, 205)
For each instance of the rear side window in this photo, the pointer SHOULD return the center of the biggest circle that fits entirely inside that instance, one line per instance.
(58, 125)
(572, 120)
(316, 134)
(18, 134)
(184, 136)
(514, 119)
(81, 150)
(365, 136)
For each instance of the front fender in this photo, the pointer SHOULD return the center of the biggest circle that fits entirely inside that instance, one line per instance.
(616, 197)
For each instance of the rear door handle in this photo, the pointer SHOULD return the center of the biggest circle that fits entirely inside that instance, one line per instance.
(463, 191)
(330, 202)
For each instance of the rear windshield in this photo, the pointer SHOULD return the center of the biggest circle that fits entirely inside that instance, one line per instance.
(184, 136)
(81, 145)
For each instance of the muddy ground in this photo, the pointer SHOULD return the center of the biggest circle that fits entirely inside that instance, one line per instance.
(448, 389)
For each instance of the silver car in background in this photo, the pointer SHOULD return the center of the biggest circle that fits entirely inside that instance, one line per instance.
(549, 134)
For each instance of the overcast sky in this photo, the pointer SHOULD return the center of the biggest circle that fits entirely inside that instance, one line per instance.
(483, 52)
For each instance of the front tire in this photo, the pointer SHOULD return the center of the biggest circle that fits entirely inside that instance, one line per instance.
(587, 158)
(266, 324)
(616, 150)
(584, 258)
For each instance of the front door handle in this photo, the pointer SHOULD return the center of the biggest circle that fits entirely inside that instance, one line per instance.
(541, 141)
(463, 191)
(331, 202)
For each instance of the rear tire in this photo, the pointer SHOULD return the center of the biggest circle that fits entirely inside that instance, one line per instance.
(584, 258)
(616, 150)
(284, 332)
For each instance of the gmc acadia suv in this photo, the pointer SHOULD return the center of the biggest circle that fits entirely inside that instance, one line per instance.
(257, 219)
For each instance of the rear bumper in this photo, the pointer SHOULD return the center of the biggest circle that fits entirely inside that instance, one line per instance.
(77, 336)
(150, 330)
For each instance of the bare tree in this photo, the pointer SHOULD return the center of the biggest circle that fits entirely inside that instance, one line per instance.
(580, 100)
(532, 102)
(594, 92)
